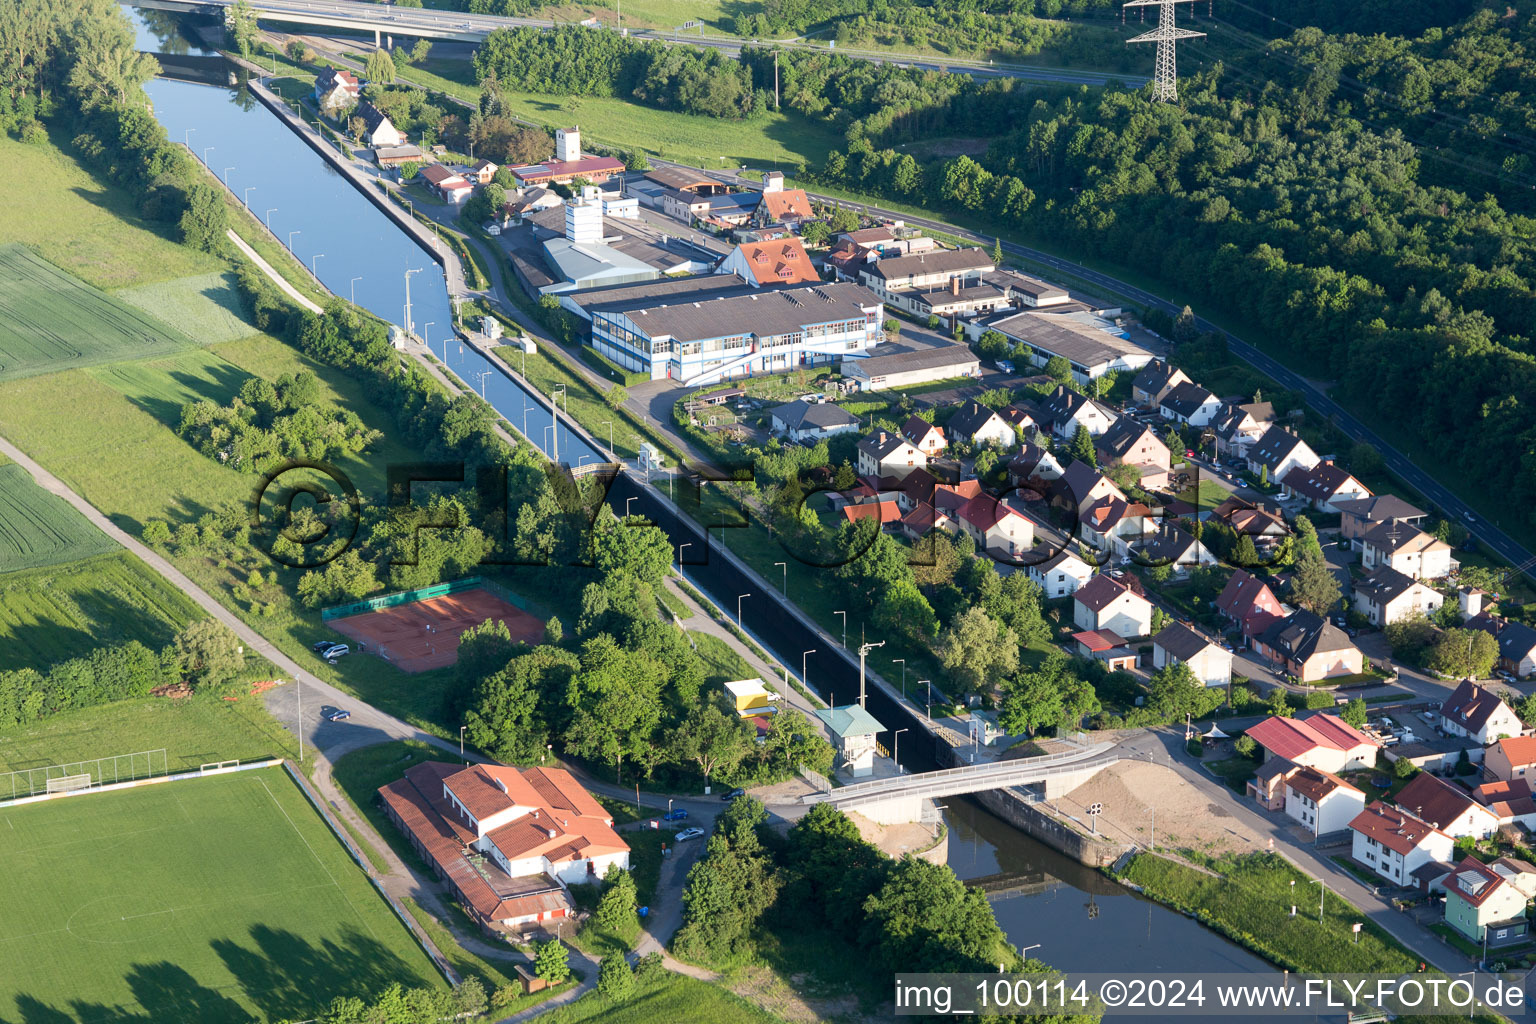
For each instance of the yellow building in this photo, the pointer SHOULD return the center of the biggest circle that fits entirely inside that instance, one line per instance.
(752, 697)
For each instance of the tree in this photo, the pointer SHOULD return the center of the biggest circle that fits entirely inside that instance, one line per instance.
(1082, 447)
(615, 979)
(616, 396)
(553, 631)
(977, 651)
(1243, 552)
(1173, 692)
(1059, 369)
(1354, 713)
(923, 916)
(1051, 695)
(380, 68)
(421, 50)
(240, 23)
(551, 961)
(633, 545)
(997, 252)
(1184, 328)
(208, 653)
(1278, 703)
(815, 234)
(1464, 654)
(618, 908)
(1313, 586)
(204, 222)
(711, 739)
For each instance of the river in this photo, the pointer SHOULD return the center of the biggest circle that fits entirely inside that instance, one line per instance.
(1081, 920)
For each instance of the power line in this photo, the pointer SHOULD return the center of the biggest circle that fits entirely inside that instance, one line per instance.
(1164, 74)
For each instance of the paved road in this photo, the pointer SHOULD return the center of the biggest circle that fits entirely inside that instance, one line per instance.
(462, 27)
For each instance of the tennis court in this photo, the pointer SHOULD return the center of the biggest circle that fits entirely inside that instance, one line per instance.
(424, 635)
(207, 900)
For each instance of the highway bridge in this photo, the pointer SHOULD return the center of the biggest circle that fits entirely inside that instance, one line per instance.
(387, 22)
(901, 798)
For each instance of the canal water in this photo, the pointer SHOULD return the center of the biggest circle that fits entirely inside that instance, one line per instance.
(1081, 921)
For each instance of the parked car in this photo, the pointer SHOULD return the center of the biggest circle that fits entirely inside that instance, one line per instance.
(338, 715)
(335, 651)
(733, 794)
(680, 814)
(1507, 676)
(687, 834)
(321, 645)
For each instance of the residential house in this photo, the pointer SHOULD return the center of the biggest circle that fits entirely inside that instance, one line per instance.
(1277, 452)
(1446, 806)
(1246, 519)
(1179, 643)
(1479, 715)
(904, 369)
(1387, 596)
(1510, 801)
(924, 519)
(1483, 902)
(1394, 844)
(1132, 443)
(1081, 486)
(1173, 547)
(1114, 525)
(1248, 603)
(1511, 758)
(882, 509)
(1319, 741)
(883, 454)
(1069, 410)
(1309, 647)
(482, 172)
(1267, 787)
(1106, 646)
(1517, 642)
(951, 498)
(1033, 463)
(790, 207)
(1361, 515)
(1407, 549)
(924, 436)
(811, 421)
(378, 131)
(452, 187)
(1238, 426)
(532, 831)
(920, 487)
(1321, 800)
(1154, 381)
(1024, 417)
(780, 261)
(997, 528)
(398, 156)
(336, 91)
(1189, 403)
(980, 425)
(1323, 486)
(1106, 603)
(1061, 575)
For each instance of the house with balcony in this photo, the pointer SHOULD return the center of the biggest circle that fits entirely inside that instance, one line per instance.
(1309, 647)
(1130, 442)
(1394, 844)
(1321, 800)
(1323, 486)
(1236, 427)
(1322, 741)
(1360, 516)
(1407, 549)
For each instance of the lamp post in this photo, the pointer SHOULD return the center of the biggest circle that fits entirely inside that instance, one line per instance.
(314, 263)
(928, 708)
(609, 422)
(295, 231)
(352, 286)
(845, 628)
(426, 334)
(186, 137)
(804, 679)
(206, 151)
(1153, 811)
(680, 547)
(896, 749)
(739, 598)
(626, 505)
(785, 567)
(268, 217)
(461, 741)
(482, 374)
(903, 676)
(247, 193)
(226, 176)
(407, 324)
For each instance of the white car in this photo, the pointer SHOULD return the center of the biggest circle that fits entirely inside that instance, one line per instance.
(687, 834)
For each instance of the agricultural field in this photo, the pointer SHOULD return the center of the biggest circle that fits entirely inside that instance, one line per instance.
(675, 998)
(38, 528)
(204, 307)
(138, 903)
(58, 612)
(89, 228)
(51, 321)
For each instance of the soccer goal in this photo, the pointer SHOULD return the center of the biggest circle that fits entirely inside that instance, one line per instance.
(64, 778)
(70, 783)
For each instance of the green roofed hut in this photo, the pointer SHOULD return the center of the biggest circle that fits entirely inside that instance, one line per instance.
(854, 730)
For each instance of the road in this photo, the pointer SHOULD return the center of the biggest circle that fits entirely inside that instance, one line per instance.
(1432, 489)
(421, 23)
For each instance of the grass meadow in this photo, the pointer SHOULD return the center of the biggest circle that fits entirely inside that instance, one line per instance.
(167, 915)
(205, 307)
(38, 528)
(83, 225)
(58, 612)
(675, 998)
(50, 321)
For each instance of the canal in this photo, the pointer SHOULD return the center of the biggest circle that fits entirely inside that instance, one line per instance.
(1081, 920)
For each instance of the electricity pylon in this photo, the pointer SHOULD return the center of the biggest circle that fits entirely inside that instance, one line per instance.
(1165, 78)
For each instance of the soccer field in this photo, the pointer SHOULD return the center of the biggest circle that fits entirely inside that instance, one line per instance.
(210, 900)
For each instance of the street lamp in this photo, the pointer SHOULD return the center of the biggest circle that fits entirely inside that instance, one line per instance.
(353, 286)
(803, 680)
(269, 217)
(1153, 811)
(206, 151)
(226, 176)
(785, 567)
(896, 749)
(739, 598)
(609, 422)
(461, 741)
(186, 137)
(903, 676)
(314, 263)
(247, 192)
(295, 231)
(626, 505)
(928, 709)
(680, 547)
(426, 334)
(845, 628)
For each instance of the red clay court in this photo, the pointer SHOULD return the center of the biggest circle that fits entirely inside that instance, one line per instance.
(424, 635)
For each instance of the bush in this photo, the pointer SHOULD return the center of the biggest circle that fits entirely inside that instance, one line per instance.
(1246, 746)
(614, 977)
(1319, 699)
(1195, 747)
(649, 968)
(1404, 768)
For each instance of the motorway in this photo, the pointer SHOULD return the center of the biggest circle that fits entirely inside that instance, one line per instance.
(456, 25)
(1495, 539)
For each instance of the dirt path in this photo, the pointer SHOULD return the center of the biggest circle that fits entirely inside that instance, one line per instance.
(267, 268)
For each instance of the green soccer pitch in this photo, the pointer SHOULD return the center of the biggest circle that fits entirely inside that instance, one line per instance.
(207, 900)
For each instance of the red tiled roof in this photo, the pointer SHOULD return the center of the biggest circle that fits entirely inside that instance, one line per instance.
(783, 261)
(790, 202)
(1315, 784)
(1097, 640)
(923, 518)
(1434, 800)
(1519, 750)
(1506, 799)
(950, 497)
(1292, 737)
(882, 511)
(1392, 828)
(984, 512)
(1099, 592)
